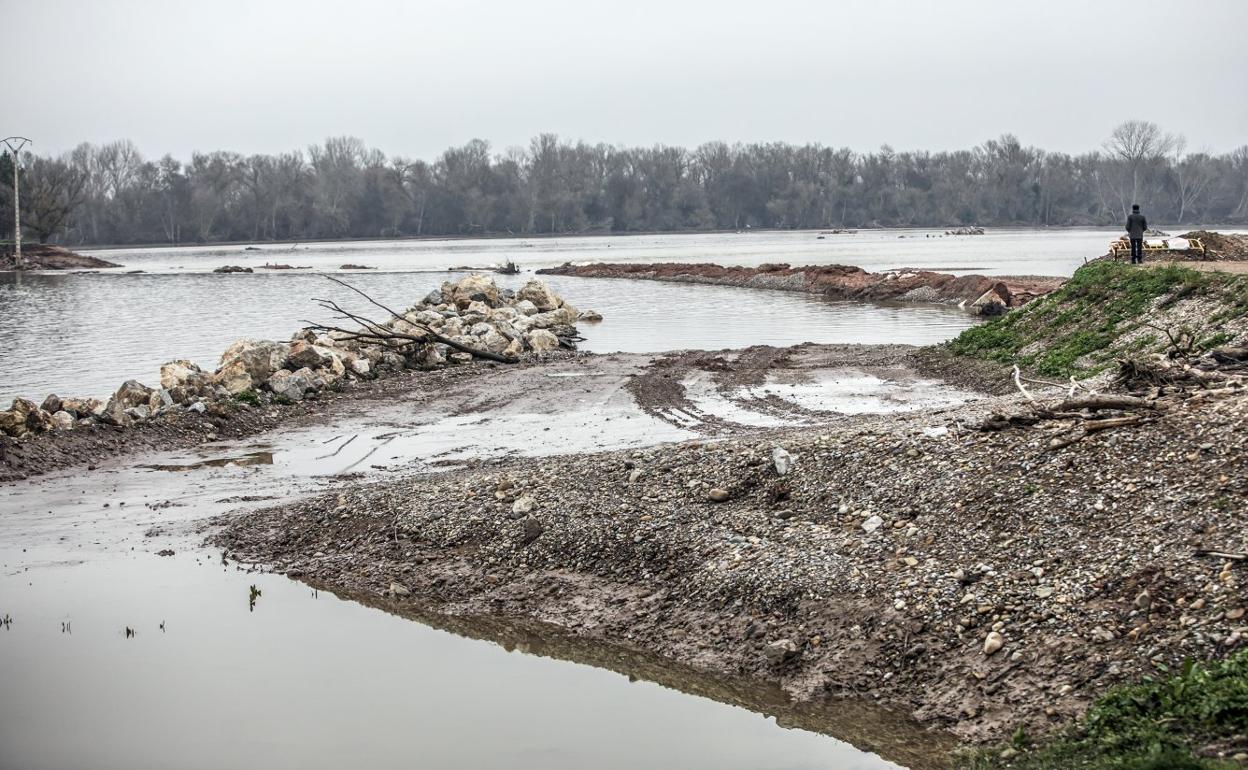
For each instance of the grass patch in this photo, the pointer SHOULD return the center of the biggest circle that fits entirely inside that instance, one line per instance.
(1154, 725)
(249, 397)
(1075, 330)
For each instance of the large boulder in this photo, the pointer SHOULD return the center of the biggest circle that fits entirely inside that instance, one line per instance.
(82, 408)
(525, 307)
(257, 358)
(304, 354)
(541, 340)
(62, 420)
(494, 342)
(234, 378)
(475, 288)
(133, 393)
(23, 417)
(290, 385)
(174, 374)
(541, 295)
(51, 404)
(425, 317)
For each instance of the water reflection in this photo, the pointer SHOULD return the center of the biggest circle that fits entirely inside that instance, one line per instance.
(299, 678)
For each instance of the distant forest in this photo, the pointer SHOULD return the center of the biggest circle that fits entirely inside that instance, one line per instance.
(112, 194)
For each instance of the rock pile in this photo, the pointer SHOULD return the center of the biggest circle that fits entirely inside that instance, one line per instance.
(473, 313)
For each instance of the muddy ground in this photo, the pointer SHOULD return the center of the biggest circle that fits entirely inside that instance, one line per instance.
(45, 256)
(84, 446)
(479, 387)
(979, 581)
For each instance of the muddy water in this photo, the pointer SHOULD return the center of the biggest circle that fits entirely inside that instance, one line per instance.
(118, 656)
(116, 327)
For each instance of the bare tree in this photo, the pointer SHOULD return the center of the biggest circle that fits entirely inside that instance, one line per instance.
(53, 189)
(1137, 145)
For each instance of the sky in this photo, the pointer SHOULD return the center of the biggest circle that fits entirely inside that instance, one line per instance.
(413, 78)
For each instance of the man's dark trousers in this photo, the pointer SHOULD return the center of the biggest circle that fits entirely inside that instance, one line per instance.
(1137, 251)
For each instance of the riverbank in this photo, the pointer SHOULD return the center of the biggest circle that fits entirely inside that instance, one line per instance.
(978, 581)
(980, 294)
(988, 567)
(459, 323)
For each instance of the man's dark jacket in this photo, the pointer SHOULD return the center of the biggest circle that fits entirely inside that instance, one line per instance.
(1136, 225)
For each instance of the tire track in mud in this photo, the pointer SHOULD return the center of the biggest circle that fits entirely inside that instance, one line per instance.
(661, 391)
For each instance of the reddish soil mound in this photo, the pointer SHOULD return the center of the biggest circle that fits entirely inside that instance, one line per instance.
(1223, 246)
(836, 281)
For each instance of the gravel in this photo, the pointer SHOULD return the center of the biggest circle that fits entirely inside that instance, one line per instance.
(978, 581)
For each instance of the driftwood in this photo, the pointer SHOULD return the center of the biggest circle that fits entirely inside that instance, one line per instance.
(378, 333)
(1104, 401)
(1232, 555)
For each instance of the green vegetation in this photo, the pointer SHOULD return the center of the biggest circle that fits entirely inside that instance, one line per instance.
(1157, 724)
(249, 397)
(1080, 328)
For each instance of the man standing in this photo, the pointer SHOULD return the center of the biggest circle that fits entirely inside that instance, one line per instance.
(1136, 225)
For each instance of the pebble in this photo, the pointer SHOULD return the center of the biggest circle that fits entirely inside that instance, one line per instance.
(993, 642)
(718, 495)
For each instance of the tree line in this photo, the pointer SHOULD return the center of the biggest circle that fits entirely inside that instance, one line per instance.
(112, 194)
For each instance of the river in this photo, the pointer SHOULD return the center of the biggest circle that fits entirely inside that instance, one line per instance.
(82, 335)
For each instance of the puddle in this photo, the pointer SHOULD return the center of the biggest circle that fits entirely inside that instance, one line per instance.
(304, 679)
(854, 392)
(778, 402)
(254, 458)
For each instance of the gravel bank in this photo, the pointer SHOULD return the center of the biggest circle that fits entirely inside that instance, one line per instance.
(981, 294)
(977, 581)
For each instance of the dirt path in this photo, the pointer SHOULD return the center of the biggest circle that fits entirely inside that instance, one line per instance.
(1237, 268)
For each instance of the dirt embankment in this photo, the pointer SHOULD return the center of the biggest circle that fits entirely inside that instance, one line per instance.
(983, 294)
(44, 256)
(977, 580)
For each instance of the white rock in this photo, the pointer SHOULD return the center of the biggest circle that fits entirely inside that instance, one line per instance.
(872, 524)
(541, 340)
(540, 295)
(782, 461)
(523, 505)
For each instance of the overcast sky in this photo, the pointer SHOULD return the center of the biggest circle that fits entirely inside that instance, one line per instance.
(413, 78)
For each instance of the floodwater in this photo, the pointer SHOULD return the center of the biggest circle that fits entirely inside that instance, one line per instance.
(119, 657)
(82, 335)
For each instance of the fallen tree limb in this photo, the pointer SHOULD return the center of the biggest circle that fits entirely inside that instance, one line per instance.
(379, 333)
(1232, 555)
(1104, 401)
(1092, 426)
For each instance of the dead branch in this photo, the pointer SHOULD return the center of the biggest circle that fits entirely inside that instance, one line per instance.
(1180, 347)
(1232, 555)
(378, 333)
(1093, 403)
(1018, 381)
(1092, 426)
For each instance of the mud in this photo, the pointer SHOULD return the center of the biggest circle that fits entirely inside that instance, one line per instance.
(875, 569)
(44, 256)
(841, 282)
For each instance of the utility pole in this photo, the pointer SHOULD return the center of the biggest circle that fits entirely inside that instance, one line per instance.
(15, 151)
